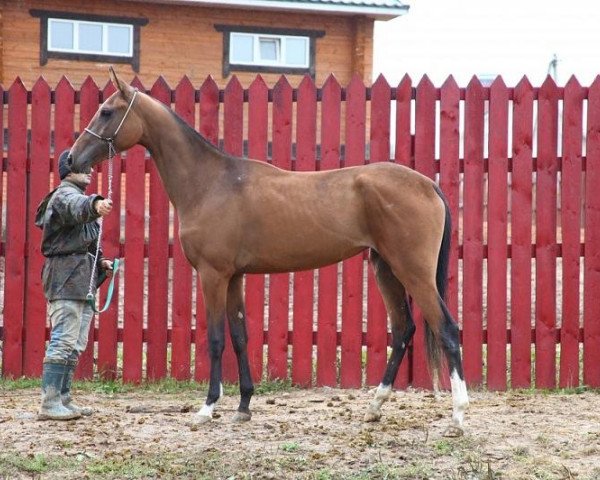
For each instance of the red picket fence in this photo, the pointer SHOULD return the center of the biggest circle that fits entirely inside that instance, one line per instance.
(519, 167)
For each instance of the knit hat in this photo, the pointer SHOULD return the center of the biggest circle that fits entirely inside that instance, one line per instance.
(63, 164)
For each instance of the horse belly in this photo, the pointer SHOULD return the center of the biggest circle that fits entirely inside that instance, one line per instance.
(300, 253)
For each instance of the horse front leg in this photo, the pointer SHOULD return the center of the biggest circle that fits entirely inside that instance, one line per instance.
(236, 313)
(214, 287)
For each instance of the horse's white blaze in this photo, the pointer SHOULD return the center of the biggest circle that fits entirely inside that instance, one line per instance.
(460, 398)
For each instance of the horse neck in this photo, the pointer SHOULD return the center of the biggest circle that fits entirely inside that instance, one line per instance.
(186, 164)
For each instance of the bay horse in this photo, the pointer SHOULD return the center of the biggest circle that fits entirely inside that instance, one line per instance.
(240, 216)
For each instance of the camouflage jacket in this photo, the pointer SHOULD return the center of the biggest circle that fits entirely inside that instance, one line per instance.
(69, 239)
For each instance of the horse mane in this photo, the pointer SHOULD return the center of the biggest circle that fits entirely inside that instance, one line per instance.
(192, 134)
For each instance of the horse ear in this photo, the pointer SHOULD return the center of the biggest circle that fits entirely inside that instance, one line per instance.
(116, 82)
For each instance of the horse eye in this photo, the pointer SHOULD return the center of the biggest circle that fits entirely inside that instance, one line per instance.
(105, 112)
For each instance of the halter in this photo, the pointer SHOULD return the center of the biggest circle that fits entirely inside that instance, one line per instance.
(91, 299)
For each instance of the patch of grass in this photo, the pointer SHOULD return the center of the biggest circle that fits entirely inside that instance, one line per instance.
(520, 452)
(167, 386)
(290, 447)
(14, 463)
(443, 447)
(267, 387)
(324, 474)
(476, 469)
(130, 465)
(19, 383)
(384, 471)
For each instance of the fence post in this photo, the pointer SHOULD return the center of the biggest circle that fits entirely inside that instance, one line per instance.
(258, 123)
(306, 139)
(327, 313)
(571, 231)
(497, 236)
(279, 282)
(473, 234)
(34, 331)
(545, 243)
(16, 230)
(352, 269)
(181, 311)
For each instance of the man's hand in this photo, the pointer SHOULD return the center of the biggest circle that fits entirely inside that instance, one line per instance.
(107, 265)
(103, 207)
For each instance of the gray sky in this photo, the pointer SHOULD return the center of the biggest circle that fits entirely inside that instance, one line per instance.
(511, 38)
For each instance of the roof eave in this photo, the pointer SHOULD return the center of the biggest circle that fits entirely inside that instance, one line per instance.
(377, 13)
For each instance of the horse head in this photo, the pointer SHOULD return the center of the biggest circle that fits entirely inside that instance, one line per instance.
(115, 127)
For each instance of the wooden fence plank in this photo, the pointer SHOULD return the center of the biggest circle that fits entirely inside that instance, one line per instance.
(424, 163)
(64, 114)
(258, 123)
(497, 220)
(233, 125)
(158, 259)
(328, 276)
(591, 280)
(279, 283)
(35, 307)
(352, 269)
(108, 322)
(450, 179)
(209, 128)
(377, 324)
(133, 314)
(473, 235)
(404, 155)
(306, 139)
(181, 313)
(571, 195)
(88, 105)
(133, 311)
(14, 248)
(521, 235)
(546, 247)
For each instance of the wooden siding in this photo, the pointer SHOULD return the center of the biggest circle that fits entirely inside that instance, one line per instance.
(179, 40)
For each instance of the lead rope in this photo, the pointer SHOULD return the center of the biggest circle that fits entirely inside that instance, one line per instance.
(91, 298)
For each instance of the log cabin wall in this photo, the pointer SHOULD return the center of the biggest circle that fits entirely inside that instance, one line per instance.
(179, 40)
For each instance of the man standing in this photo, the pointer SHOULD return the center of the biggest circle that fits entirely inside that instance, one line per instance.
(68, 218)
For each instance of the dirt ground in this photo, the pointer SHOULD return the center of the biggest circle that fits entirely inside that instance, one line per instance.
(305, 434)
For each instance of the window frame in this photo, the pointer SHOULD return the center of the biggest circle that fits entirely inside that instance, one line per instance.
(133, 58)
(281, 50)
(265, 67)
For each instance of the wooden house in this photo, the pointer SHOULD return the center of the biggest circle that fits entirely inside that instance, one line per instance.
(172, 38)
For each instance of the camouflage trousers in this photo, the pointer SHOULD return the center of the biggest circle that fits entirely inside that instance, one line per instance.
(70, 321)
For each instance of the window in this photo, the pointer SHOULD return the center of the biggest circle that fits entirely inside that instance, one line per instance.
(269, 50)
(263, 49)
(90, 37)
(94, 38)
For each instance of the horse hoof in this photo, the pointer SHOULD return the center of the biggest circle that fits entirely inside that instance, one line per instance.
(453, 431)
(201, 419)
(372, 416)
(241, 417)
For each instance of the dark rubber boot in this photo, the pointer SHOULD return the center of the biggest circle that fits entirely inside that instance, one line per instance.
(65, 391)
(52, 380)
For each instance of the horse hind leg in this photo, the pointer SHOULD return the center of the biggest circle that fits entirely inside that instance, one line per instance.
(442, 335)
(403, 328)
(451, 346)
(236, 314)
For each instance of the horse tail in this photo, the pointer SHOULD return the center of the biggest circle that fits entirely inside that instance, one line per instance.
(434, 350)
